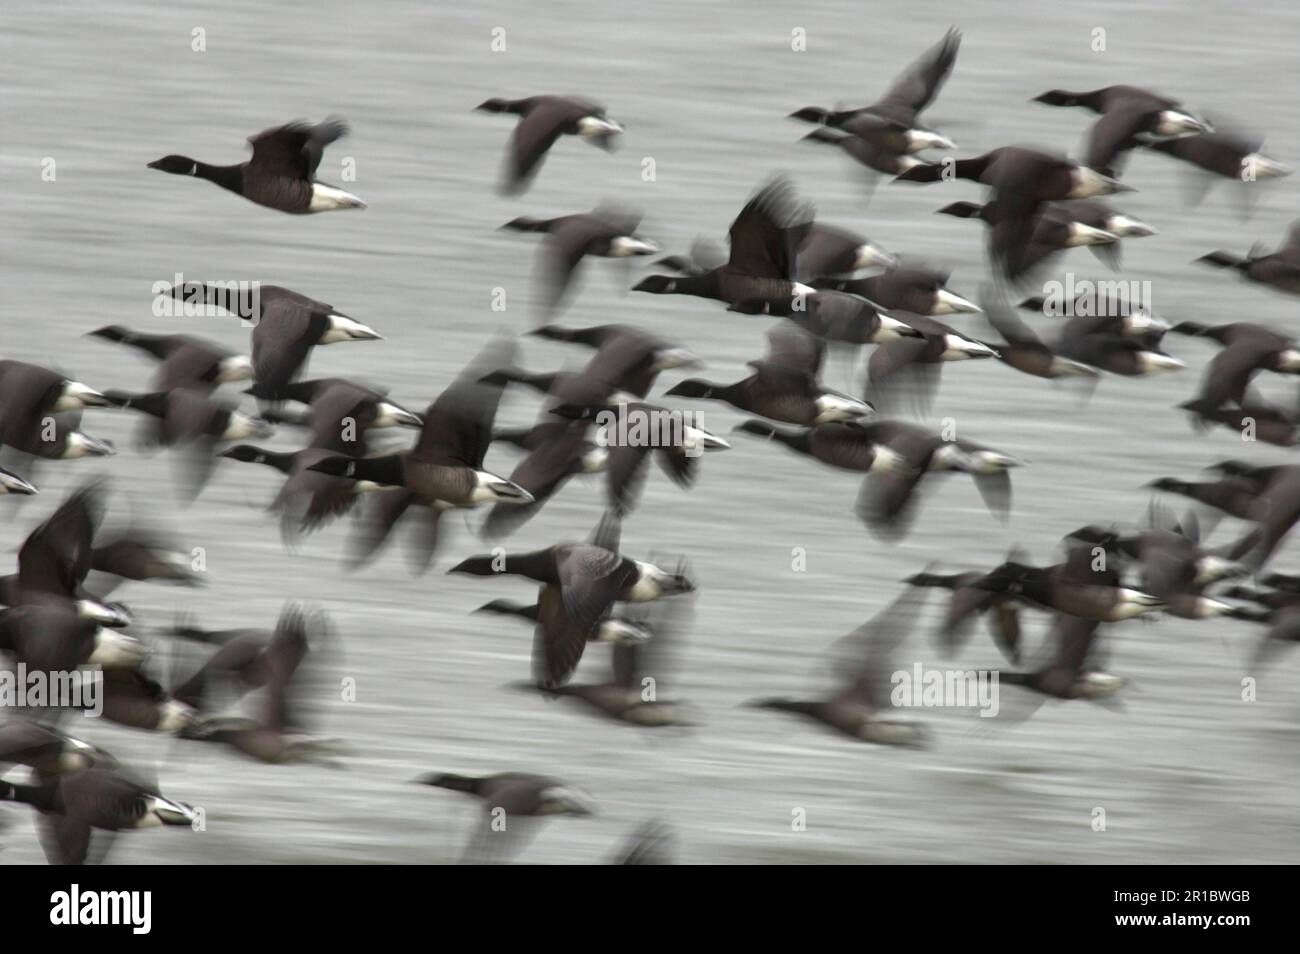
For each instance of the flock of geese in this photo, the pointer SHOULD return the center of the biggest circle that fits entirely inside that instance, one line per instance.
(828, 289)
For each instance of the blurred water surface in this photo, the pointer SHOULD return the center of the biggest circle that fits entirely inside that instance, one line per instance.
(1188, 773)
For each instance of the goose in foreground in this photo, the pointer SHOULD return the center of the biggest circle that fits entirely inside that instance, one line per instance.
(967, 602)
(1055, 230)
(783, 386)
(54, 638)
(1234, 495)
(512, 804)
(831, 251)
(1022, 180)
(56, 557)
(640, 670)
(889, 499)
(629, 358)
(1228, 154)
(557, 450)
(906, 372)
(635, 431)
(183, 360)
(902, 104)
(1276, 508)
(762, 265)
(866, 659)
(1073, 588)
(843, 444)
(1071, 672)
(248, 660)
(608, 231)
(1279, 270)
(543, 120)
(36, 407)
(75, 804)
(445, 468)
(47, 751)
(581, 584)
(1130, 116)
(281, 174)
(917, 289)
(842, 318)
(287, 332)
(1021, 348)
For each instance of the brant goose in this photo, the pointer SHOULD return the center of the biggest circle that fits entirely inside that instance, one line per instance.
(512, 804)
(908, 370)
(866, 660)
(74, 805)
(1073, 588)
(677, 445)
(52, 637)
(56, 558)
(557, 450)
(543, 120)
(183, 360)
(1129, 116)
(640, 670)
(843, 318)
(629, 358)
(445, 468)
(29, 395)
(783, 386)
(607, 231)
(829, 251)
(1275, 510)
(1069, 674)
(1055, 230)
(611, 629)
(912, 288)
(765, 242)
(1021, 348)
(1279, 270)
(282, 173)
(1022, 180)
(910, 94)
(288, 330)
(1232, 155)
(966, 603)
(842, 444)
(582, 582)
(47, 751)
(251, 661)
(888, 500)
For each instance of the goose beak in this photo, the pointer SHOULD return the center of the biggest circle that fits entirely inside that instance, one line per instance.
(13, 484)
(1174, 122)
(507, 491)
(870, 255)
(1128, 227)
(76, 395)
(1259, 166)
(949, 303)
(83, 445)
(1081, 234)
(670, 358)
(892, 329)
(343, 328)
(399, 416)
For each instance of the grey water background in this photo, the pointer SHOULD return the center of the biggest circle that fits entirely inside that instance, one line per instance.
(1188, 773)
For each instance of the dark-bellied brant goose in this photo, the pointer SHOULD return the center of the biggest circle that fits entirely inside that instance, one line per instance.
(183, 360)
(1022, 180)
(543, 120)
(282, 173)
(512, 804)
(557, 450)
(842, 444)
(865, 659)
(828, 250)
(100, 798)
(965, 603)
(1129, 116)
(917, 289)
(1279, 270)
(908, 370)
(31, 398)
(57, 556)
(608, 231)
(783, 386)
(1069, 674)
(1021, 348)
(765, 242)
(582, 582)
(1055, 230)
(445, 468)
(1073, 588)
(911, 93)
(1226, 153)
(629, 358)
